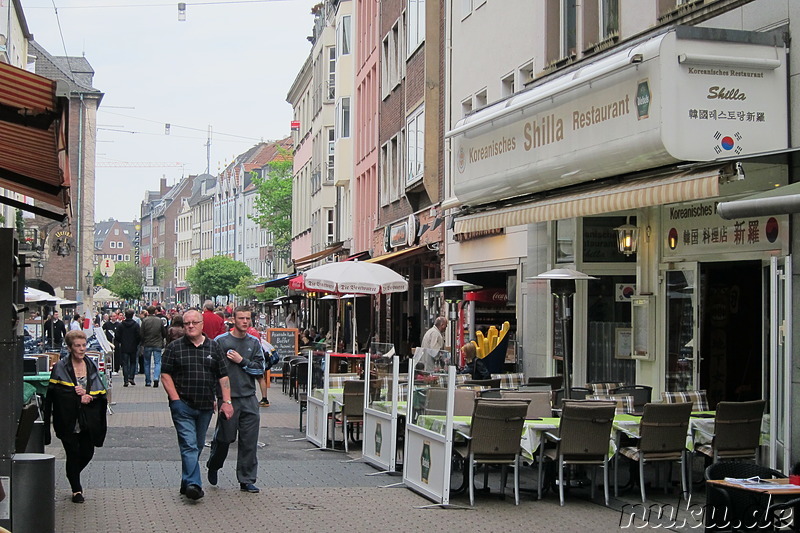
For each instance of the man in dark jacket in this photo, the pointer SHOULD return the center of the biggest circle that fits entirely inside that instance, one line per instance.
(127, 339)
(154, 332)
(54, 331)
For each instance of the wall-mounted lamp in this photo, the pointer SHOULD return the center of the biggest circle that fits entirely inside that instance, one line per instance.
(181, 11)
(627, 237)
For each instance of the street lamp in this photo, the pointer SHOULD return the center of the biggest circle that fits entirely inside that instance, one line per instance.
(453, 292)
(562, 285)
(89, 280)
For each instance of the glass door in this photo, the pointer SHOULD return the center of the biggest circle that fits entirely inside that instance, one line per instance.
(682, 339)
(779, 360)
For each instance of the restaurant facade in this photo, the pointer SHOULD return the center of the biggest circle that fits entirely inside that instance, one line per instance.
(640, 144)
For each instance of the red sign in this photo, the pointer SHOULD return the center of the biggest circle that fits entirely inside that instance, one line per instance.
(491, 296)
(295, 125)
(297, 283)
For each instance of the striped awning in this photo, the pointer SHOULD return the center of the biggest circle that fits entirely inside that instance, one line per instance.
(634, 194)
(33, 151)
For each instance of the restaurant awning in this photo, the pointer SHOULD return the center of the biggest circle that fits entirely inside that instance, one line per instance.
(281, 281)
(332, 249)
(33, 151)
(633, 194)
(393, 255)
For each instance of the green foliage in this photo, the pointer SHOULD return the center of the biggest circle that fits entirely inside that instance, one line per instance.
(273, 203)
(216, 276)
(126, 281)
(248, 294)
(99, 279)
(165, 267)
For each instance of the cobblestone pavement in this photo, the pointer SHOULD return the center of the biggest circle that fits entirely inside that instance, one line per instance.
(132, 485)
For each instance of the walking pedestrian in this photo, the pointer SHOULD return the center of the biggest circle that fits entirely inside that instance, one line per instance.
(154, 332)
(191, 367)
(76, 400)
(244, 362)
(127, 339)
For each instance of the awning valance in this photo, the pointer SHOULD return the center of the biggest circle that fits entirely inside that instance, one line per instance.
(634, 194)
(33, 151)
(332, 249)
(393, 255)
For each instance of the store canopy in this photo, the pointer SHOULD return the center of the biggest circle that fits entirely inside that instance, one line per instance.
(330, 250)
(393, 255)
(33, 151)
(634, 194)
(281, 281)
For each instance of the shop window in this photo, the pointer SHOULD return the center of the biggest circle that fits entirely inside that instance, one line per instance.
(565, 241)
(608, 317)
(600, 240)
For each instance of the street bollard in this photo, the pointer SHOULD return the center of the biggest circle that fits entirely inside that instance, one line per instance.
(33, 486)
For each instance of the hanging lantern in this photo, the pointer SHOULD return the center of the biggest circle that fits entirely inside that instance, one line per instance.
(627, 238)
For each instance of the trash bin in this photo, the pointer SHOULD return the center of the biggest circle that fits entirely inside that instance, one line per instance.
(33, 492)
(36, 440)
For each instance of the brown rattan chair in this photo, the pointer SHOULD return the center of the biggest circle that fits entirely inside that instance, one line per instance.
(488, 383)
(351, 410)
(737, 431)
(662, 437)
(555, 382)
(540, 402)
(583, 438)
(494, 439)
(436, 401)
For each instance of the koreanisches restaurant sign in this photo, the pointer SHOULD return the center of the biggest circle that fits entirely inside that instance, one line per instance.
(662, 101)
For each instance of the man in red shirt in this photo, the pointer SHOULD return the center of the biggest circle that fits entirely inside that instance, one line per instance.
(213, 325)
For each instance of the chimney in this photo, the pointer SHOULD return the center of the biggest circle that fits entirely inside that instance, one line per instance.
(163, 189)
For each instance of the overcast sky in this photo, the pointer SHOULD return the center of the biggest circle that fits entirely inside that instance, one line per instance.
(229, 65)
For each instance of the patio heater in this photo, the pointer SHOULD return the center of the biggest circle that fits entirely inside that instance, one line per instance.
(562, 285)
(453, 293)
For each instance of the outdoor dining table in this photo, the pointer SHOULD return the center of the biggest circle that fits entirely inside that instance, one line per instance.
(35, 384)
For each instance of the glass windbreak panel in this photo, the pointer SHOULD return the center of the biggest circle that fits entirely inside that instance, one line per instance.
(313, 370)
(609, 328)
(429, 401)
(380, 371)
(680, 330)
(600, 240)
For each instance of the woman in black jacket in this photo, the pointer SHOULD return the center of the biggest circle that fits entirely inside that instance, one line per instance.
(76, 399)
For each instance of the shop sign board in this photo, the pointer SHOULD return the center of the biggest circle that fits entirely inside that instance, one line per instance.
(658, 102)
(693, 229)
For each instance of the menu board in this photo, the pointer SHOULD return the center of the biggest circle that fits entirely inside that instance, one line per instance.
(284, 340)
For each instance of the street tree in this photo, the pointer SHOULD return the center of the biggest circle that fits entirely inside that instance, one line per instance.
(273, 202)
(216, 276)
(246, 292)
(126, 282)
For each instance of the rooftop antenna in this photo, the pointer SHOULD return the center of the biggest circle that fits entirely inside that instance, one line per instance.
(208, 151)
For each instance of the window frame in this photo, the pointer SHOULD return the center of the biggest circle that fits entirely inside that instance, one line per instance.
(413, 138)
(415, 25)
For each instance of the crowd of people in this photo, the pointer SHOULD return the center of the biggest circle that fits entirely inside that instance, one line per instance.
(206, 361)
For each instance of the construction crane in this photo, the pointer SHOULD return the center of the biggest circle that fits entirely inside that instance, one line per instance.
(138, 164)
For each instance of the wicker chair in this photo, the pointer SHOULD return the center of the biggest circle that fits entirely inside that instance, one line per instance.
(737, 431)
(584, 435)
(555, 382)
(662, 437)
(725, 508)
(494, 439)
(540, 402)
(489, 383)
(642, 394)
(436, 402)
(351, 410)
(576, 393)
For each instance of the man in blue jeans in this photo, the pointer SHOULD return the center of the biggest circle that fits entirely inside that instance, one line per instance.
(154, 333)
(191, 368)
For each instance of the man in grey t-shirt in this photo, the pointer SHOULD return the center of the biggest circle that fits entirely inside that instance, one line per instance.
(245, 361)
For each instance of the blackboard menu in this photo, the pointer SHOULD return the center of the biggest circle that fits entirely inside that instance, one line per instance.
(284, 340)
